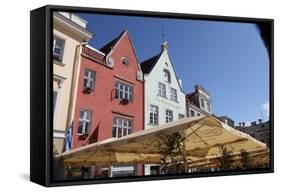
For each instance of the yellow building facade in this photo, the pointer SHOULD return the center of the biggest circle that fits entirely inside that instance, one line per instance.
(69, 34)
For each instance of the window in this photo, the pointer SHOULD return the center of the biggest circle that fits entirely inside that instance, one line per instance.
(125, 60)
(202, 103)
(198, 114)
(153, 115)
(85, 122)
(55, 97)
(162, 89)
(208, 106)
(89, 79)
(169, 116)
(181, 116)
(174, 95)
(192, 113)
(58, 48)
(167, 76)
(121, 127)
(123, 91)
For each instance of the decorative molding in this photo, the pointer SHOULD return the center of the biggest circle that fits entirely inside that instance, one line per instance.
(59, 79)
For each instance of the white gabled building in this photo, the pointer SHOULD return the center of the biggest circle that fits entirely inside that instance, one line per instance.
(164, 98)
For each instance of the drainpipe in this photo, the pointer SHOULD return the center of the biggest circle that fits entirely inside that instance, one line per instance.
(74, 83)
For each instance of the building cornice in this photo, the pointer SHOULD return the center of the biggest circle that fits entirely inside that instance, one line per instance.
(72, 26)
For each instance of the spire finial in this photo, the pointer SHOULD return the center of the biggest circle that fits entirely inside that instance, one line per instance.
(163, 35)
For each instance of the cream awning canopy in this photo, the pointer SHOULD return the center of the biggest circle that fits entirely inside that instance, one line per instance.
(204, 136)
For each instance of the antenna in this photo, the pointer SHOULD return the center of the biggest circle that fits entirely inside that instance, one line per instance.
(262, 115)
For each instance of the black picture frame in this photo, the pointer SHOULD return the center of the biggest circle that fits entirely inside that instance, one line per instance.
(41, 91)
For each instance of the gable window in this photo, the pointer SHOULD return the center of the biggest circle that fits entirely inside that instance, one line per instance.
(167, 76)
(162, 89)
(121, 127)
(89, 79)
(125, 60)
(123, 91)
(85, 122)
(174, 95)
(153, 115)
(58, 48)
(169, 116)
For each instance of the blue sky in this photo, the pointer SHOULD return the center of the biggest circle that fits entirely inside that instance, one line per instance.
(228, 59)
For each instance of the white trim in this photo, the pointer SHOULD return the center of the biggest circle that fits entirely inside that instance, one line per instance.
(59, 79)
(94, 49)
(58, 134)
(56, 110)
(125, 168)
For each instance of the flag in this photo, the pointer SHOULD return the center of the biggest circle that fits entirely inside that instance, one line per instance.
(69, 138)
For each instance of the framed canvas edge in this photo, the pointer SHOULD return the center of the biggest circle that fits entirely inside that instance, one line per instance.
(48, 131)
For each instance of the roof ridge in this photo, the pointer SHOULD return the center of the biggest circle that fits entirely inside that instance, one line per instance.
(108, 47)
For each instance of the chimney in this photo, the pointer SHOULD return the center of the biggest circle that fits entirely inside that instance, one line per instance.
(254, 123)
(243, 124)
(239, 124)
(260, 121)
(164, 46)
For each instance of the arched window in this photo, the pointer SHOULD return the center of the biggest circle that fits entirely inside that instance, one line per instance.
(167, 76)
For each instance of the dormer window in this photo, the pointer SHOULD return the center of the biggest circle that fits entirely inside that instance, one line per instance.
(208, 107)
(202, 103)
(167, 76)
(125, 60)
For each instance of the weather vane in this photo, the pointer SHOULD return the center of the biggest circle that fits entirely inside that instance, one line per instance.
(163, 35)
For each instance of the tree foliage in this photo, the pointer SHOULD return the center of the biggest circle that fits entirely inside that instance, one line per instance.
(245, 160)
(226, 161)
(172, 148)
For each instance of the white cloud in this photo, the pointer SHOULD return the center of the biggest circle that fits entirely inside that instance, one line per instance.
(247, 123)
(265, 107)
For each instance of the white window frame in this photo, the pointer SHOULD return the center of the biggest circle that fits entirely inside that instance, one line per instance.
(208, 106)
(86, 118)
(169, 116)
(89, 78)
(153, 115)
(174, 95)
(162, 89)
(56, 107)
(124, 91)
(124, 125)
(56, 46)
(202, 103)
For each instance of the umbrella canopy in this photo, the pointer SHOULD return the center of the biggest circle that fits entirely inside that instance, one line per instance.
(204, 136)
